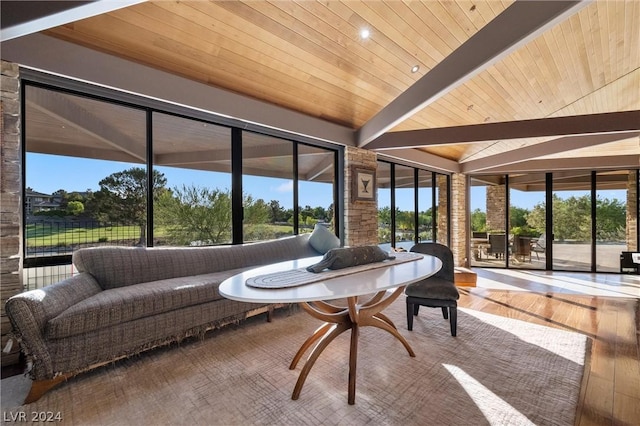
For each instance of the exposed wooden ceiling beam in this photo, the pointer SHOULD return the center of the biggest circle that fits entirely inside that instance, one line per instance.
(20, 19)
(422, 159)
(610, 122)
(550, 147)
(519, 23)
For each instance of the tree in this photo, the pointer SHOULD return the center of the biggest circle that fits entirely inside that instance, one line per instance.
(572, 218)
(404, 219)
(75, 208)
(330, 213)
(195, 214)
(518, 216)
(276, 212)
(123, 197)
(304, 213)
(255, 212)
(69, 197)
(478, 220)
(384, 217)
(611, 219)
(537, 217)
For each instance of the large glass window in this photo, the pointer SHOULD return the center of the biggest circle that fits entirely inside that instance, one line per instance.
(611, 219)
(105, 172)
(406, 210)
(479, 235)
(527, 220)
(85, 178)
(385, 226)
(405, 207)
(426, 212)
(192, 161)
(267, 178)
(316, 183)
(572, 220)
(488, 223)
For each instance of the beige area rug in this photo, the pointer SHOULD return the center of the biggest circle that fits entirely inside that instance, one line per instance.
(497, 371)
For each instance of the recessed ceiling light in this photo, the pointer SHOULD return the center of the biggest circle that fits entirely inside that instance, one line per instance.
(415, 68)
(365, 33)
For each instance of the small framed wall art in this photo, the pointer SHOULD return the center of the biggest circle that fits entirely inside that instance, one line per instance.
(363, 184)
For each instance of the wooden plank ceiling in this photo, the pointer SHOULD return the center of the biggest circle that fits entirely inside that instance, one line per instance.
(309, 56)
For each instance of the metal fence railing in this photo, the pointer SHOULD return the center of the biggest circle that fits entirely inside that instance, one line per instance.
(50, 244)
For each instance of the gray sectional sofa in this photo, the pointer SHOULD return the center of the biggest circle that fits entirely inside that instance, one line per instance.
(127, 300)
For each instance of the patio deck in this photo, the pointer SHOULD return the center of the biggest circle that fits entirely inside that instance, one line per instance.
(570, 257)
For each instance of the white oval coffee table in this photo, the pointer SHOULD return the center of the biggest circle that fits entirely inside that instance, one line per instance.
(315, 299)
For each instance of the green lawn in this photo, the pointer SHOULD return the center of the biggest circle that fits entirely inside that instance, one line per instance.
(53, 234)
(47, 234)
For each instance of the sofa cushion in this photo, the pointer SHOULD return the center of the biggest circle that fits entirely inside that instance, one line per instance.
(322, 239)
(119, 305)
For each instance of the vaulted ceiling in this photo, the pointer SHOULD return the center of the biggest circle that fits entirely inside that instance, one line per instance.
(501, 86)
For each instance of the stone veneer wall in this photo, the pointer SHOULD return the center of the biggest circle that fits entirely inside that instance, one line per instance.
(10, 199)
(496, 215)
(632, 208)
(441, 212)
(459, 226)
(360, 217)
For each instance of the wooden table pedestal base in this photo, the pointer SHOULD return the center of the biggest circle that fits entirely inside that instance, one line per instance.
(339, 319)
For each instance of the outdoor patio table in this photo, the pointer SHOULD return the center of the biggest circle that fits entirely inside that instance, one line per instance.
(313, 299)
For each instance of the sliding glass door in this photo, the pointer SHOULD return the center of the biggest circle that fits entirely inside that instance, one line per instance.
(572, 221)
(567, 220)
(611, 220)
(527, 221)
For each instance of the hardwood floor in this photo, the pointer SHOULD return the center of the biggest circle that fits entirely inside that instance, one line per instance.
(610, 392)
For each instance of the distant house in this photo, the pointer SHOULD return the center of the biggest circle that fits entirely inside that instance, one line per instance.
(37, 201)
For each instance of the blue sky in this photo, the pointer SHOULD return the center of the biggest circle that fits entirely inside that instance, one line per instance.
(49, 173)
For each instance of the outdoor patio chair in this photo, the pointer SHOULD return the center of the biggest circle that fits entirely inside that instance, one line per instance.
(540, 246)
(437, 291)
(497, 245)
(522, 247)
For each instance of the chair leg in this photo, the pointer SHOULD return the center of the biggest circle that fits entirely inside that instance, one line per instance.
(445, 313)
(410, 308)
(416, 307)
(453, 311)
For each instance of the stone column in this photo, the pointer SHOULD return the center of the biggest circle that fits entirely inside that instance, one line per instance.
(360, 217)
(496, 215)
(10, 200)
(632, 208)
(441, 212)
(459, 227)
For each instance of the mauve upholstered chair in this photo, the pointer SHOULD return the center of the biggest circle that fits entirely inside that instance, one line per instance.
(437, 291)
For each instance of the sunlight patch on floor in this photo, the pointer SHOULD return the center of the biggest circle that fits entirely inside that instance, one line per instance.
(556, 346)
(496, 410)
(590, 284)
